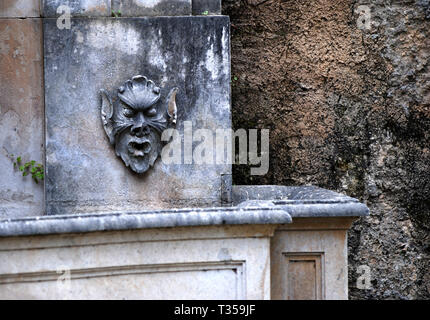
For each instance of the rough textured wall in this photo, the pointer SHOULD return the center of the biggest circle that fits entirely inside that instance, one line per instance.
(349, 110)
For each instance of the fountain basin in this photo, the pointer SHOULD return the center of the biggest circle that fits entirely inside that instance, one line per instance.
(261, 247)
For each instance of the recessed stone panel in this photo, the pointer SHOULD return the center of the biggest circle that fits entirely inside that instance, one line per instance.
(21, 115)
(83, 172)
(213, 262)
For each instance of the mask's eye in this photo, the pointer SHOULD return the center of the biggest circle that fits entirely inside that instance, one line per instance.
(151, 112)
(129, 112)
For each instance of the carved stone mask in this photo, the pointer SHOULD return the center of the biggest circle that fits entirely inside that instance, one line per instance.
(134, 121)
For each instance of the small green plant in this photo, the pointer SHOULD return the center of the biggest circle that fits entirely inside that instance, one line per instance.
(116, 14)
(31, 167)
(233, 81)
(205, 13)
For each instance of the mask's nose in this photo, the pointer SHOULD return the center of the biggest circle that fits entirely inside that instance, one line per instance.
(140, 127)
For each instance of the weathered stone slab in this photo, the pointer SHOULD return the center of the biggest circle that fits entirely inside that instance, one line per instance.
(21, 114)
(303, 201)
(206, 7)
(19, 8)
(298, 194)
(203, 253)
(139, 8)
(309, 260)
(83, 172)
(214, 262)
(80, 223)
(87, 8)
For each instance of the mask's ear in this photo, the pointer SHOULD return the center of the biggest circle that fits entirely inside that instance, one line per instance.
(171, 105)
(106, 114)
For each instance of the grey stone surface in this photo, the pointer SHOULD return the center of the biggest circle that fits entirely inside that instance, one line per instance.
(19, 8)
(306, 201)
(21, 114)
(209, 262)
(78, 223)
(87, 8)
(138, 8)
(226, 191)
(289, 193)
(83, 173)
(211, 6)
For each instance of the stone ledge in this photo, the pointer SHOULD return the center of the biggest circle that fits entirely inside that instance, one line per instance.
(297, 193)
(304, 202)
(80, 223)
(255, 207)
(313, 209)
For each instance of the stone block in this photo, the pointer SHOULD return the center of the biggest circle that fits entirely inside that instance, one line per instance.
(19, 8)
(200, 253)
(306, 201)
(21, 114)
(210, 6)
(83, 172)
(76, 8)
(309, 259)
(139, 8)
(213, 262)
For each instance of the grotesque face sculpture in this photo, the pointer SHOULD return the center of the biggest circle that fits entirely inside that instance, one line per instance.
(135, 120)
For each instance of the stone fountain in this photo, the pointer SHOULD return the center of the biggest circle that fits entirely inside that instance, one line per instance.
(123, 80)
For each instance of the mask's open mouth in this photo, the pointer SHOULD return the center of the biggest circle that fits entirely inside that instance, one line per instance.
(139, 149)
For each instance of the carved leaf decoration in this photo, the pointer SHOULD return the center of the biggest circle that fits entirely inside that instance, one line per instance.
(106, 114)
(139, 92)
(171, 106)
